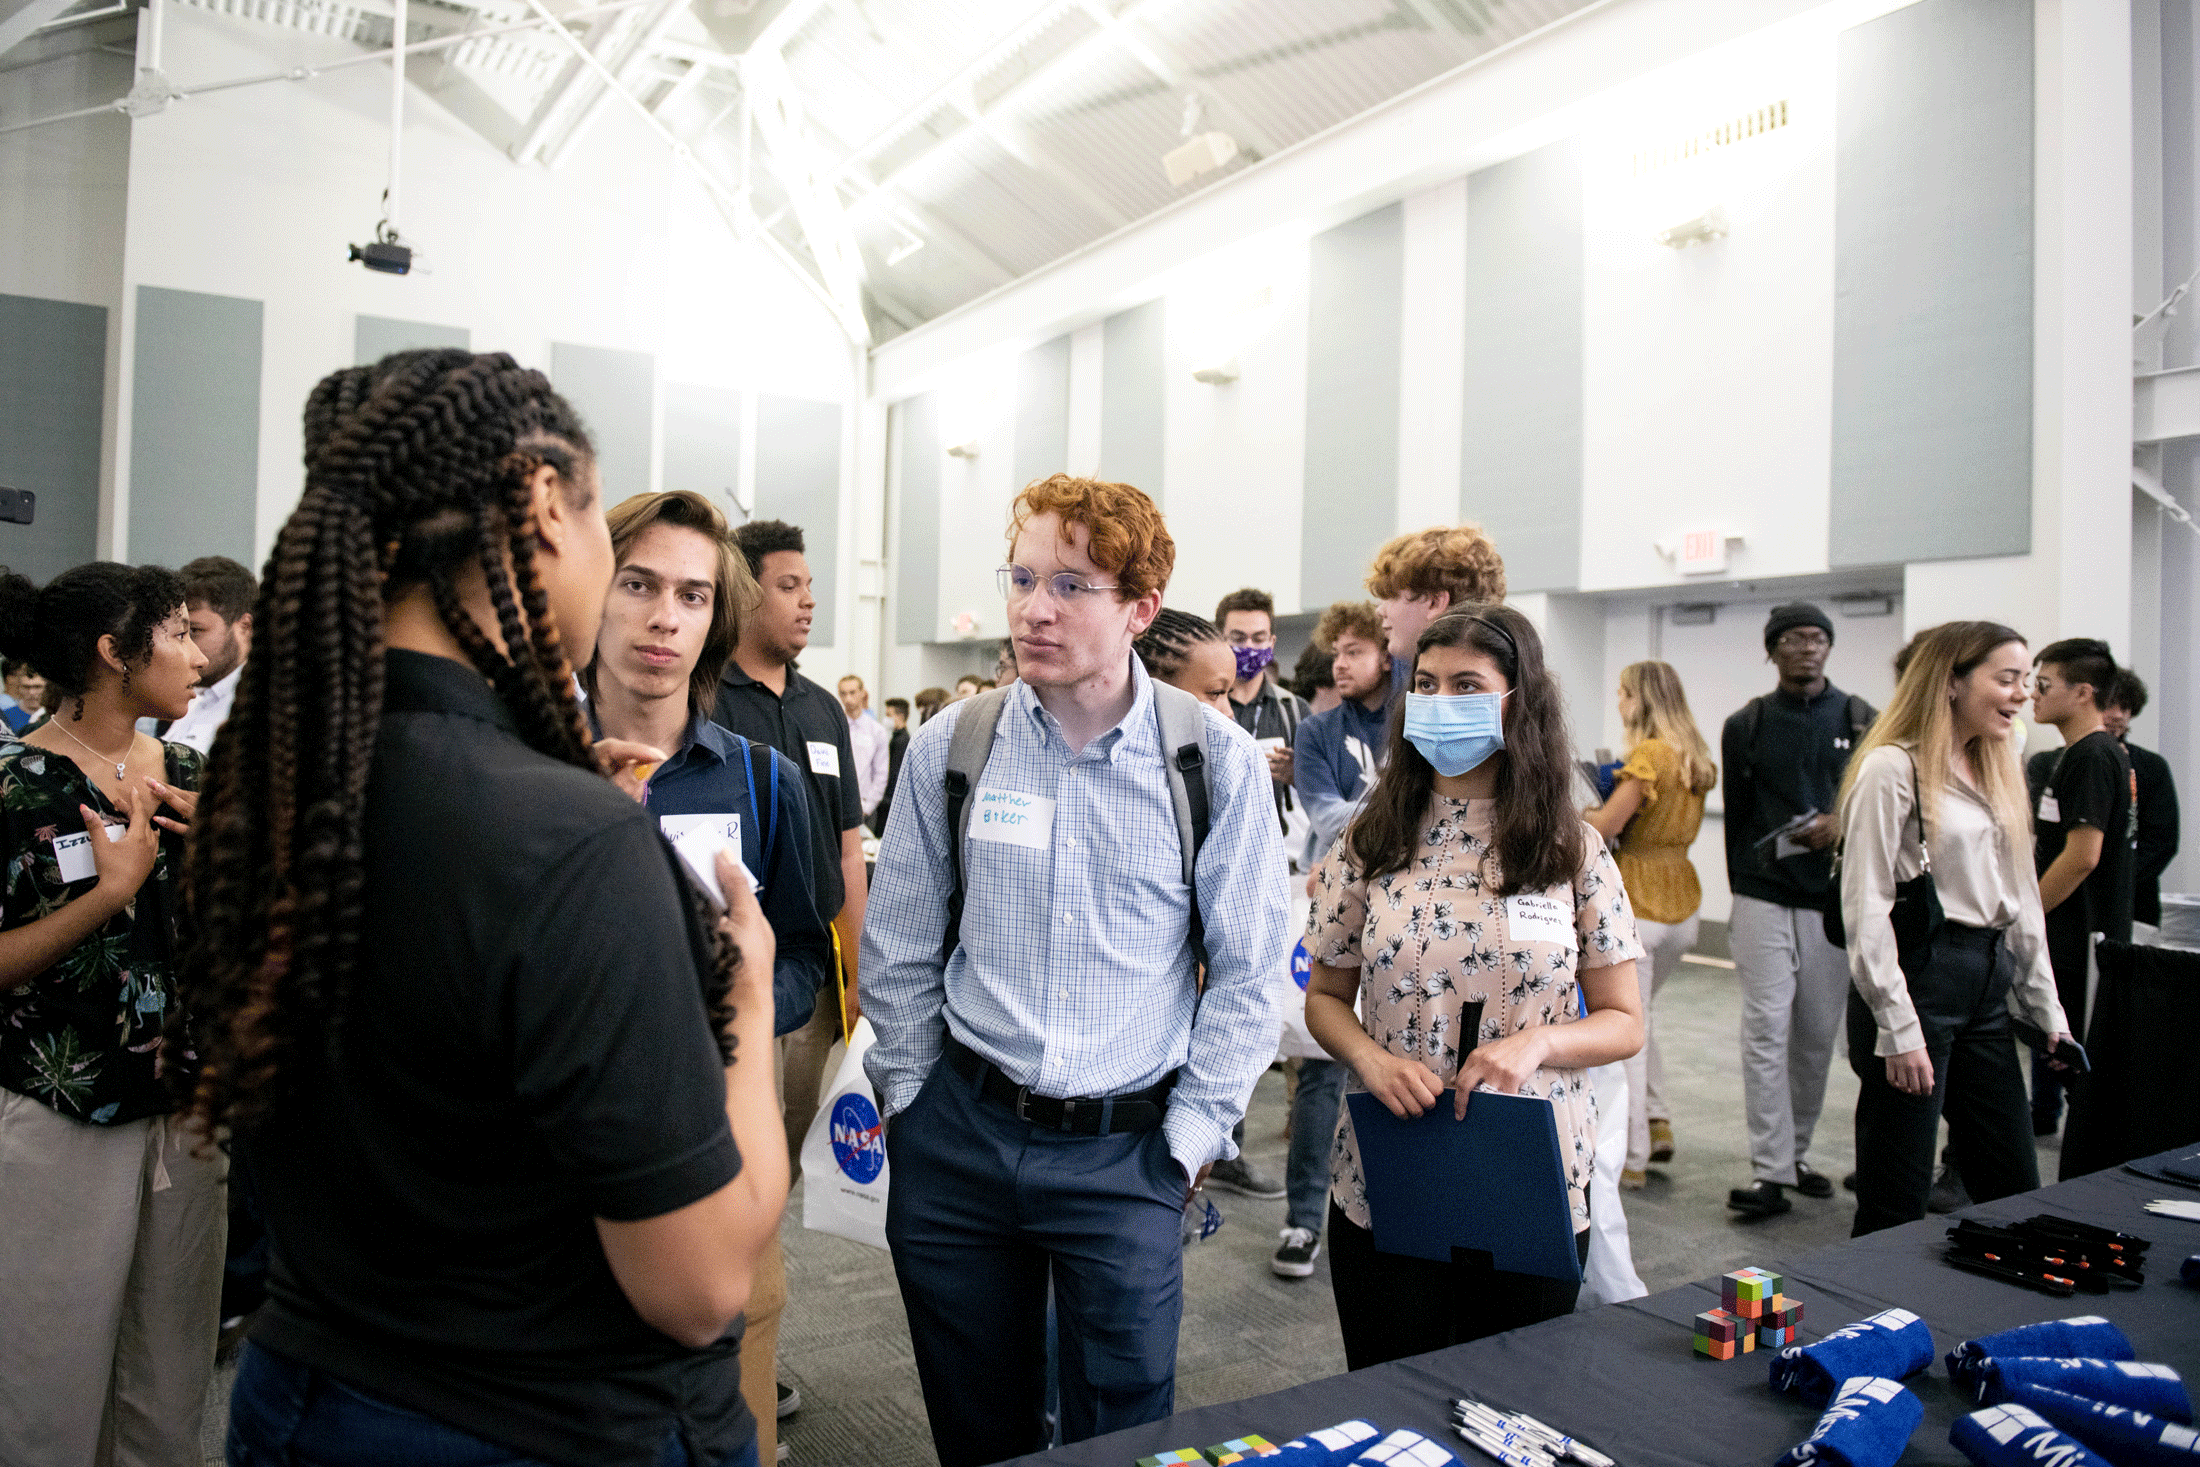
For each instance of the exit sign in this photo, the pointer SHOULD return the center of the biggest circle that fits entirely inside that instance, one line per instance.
(1703, 553)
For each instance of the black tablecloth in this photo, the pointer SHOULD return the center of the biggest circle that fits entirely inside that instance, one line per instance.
(1626, 1378)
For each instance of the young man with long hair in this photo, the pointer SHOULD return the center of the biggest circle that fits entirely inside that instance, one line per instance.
(1484, 930)
(504, 1088)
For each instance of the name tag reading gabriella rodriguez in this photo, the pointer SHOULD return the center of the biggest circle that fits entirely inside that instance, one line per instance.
(1013, 819)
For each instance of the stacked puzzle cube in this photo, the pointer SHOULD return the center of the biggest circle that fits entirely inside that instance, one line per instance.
(1752, 1312)
(1241, 1449)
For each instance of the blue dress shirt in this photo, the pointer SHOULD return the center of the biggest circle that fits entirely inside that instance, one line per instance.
(1075, 975)
(710, 776)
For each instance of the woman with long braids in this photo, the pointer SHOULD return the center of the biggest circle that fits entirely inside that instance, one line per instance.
(503, 1090)
(110, 1274)
(1472, 912)
(1188, 652)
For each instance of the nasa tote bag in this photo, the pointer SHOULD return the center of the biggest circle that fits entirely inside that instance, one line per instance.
(844, 1156)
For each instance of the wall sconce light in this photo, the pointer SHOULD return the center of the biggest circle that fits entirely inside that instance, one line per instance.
(1704, 228)
(963, 450)
(1221, 374)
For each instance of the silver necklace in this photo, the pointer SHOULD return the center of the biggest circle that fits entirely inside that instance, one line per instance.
(120, 773)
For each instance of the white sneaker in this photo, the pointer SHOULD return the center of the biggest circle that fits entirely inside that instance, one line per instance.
(1295, 1258)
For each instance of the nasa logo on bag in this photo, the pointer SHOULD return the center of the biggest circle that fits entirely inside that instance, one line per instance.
(1302, 966)
(859, 1142)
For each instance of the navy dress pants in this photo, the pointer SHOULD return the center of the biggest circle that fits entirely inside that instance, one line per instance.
(984, 1211)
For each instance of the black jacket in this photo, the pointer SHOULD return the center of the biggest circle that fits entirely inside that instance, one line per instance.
(1783, 755)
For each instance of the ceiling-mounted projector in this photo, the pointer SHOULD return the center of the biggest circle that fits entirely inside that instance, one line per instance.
(385, 255)
(1203, 154)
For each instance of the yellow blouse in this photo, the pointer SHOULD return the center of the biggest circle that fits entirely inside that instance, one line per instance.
(1653, 850)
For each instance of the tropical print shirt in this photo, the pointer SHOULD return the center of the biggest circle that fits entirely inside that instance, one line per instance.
(1435, 944)
(85, 1035)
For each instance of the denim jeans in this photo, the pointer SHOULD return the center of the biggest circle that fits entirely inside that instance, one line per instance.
(284, 1414)
(1313, 1132)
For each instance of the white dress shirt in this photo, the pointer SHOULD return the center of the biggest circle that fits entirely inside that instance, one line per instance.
(209, 710)
(870, 740)
(1982, 881)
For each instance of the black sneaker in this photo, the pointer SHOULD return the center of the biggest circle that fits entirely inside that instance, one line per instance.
(1759, 1199)
(1812, 1184)
(1948, 1194)
(790, 1401)
(1295, 1258)
(1247, 1180)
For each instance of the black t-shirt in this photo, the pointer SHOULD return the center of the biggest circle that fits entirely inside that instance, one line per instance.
(808, 725)
(2086, 784)
(525, 1050)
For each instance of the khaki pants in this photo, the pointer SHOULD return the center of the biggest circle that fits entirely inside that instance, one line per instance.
(111, 1244)
(802, 1071)
(760, 1349)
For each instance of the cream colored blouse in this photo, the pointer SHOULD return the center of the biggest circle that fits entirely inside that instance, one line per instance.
(1981, 879)
(1435, 937)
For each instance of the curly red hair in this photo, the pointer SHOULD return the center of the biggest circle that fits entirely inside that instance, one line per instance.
(1129, 539)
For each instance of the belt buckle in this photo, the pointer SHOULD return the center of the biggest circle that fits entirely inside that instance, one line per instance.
(1023, 1101)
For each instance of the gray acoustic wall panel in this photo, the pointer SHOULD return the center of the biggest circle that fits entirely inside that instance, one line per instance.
(798, 480)
(917, 548)
(703, 443)
(375, 337)
(1932, 315)
(1355, 325)
(1131, 398)
(1520, 441)
(1042, 411)
(53, 381)
(194, 427)
(615, 393)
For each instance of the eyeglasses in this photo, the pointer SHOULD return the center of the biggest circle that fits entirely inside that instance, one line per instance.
(1802, 641)
(1017, 583)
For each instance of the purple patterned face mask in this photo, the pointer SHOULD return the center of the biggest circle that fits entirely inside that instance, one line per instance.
(1252, 661)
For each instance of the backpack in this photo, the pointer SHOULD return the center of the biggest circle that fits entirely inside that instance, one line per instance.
(1860, 720)
(1184, 752)
(770, 813)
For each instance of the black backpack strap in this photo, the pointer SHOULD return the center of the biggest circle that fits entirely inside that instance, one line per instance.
(968, 748)
(1860, 718)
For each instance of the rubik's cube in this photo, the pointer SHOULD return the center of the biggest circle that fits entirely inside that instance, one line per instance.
(1776, 1325)
(1181, 1457)
(1746, 1290)
(1722, 1336)
(1243, 1449)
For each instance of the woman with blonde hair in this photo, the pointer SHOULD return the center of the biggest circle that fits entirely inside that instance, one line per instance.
(1945, 933)
(1651, 819)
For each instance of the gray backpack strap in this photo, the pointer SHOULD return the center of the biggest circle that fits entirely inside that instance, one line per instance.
(967, 752)
(1184, 751)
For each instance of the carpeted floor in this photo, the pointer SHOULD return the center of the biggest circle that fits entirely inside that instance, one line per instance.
(844, 1344)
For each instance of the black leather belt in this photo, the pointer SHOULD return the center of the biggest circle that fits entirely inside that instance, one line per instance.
(1081, 1115)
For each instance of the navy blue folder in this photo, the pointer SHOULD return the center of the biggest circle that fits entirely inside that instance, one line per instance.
(1493, 1183)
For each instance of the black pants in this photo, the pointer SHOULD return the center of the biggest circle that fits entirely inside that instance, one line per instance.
(1390, 1306)
(1959, 993)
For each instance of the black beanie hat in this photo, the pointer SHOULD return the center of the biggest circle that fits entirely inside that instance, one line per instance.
(1795, 614)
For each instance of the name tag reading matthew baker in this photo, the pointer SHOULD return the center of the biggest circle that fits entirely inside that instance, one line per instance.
(1013, 819)
(1539, 919)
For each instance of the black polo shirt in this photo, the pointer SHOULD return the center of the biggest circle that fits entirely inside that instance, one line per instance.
(1785, 754)
(2087, 784)
(807, 724)
(525, 1050)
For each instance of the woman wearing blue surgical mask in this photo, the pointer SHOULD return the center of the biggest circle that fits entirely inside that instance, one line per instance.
(1486, 932)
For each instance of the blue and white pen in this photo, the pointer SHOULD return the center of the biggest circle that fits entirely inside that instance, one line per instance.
(1507, 1450)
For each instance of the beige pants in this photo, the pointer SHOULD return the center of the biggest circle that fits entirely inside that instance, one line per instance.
(760, 1349)
(111, 1244)
(802, 1072)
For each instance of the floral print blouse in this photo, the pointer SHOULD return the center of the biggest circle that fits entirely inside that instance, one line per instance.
(84, 1036)
(1436, 937)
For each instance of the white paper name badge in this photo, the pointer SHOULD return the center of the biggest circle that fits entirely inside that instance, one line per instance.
(74, 853)
(1539, 919)
(698, 839)
(1013, 819)
(825, 759)
(2050, 808)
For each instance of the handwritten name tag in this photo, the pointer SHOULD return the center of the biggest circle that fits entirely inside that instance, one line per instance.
(1012, 819)
(825, 759)
(699, 839)
(1539, 919)
(73, 853)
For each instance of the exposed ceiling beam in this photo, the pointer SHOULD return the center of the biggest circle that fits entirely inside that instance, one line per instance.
(775, 108)
(785, 26)
(558, 104)
(651, 31)
(1173, 71)
(938, 231)
(18, 18)
(1018, 142)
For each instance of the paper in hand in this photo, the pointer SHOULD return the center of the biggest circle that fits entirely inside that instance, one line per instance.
(698, 839)
(1780, 844)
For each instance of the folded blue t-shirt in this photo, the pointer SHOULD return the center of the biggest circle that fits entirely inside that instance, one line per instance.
(2015, 1436)
(2154, 1389)
(2126, 1437)
(2086, 1336)
(1868, 1425)
(1332, 1446)
(1403, 1448)
(1891, 1344)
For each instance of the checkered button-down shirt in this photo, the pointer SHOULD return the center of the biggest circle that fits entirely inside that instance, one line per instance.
(1075, 974)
